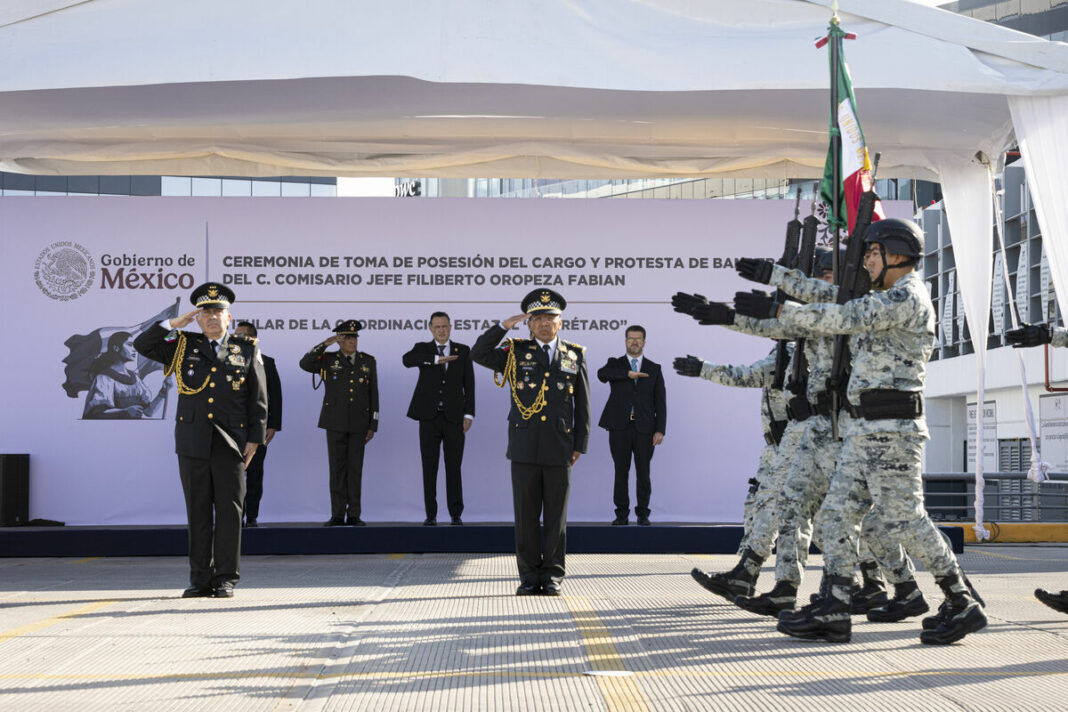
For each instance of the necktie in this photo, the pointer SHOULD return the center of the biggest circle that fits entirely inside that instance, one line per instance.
(441, 349)
(215, 348)
(634, 364)
(545, 348)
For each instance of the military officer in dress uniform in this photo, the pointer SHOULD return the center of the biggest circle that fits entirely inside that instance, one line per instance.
(349, 415)
(548, 428)
(221, 420)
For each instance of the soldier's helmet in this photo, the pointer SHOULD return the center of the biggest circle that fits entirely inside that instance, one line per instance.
(897, 236)
(822, 262)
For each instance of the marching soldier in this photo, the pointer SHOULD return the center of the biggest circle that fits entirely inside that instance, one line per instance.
(221, 420)
(880, 460)
(548, 428)
(349, 415)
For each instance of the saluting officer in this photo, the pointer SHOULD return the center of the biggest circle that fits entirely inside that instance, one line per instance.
(349, 415)
(548, 428)
(221, 420)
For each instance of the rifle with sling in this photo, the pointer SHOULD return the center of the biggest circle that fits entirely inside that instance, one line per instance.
(853, 282)
(788, 260)
(798, 406)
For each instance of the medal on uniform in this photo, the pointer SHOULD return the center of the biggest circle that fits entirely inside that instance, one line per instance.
(189, 373)
(235, 350)
(528, 356)
(559, 385)
(519, 386)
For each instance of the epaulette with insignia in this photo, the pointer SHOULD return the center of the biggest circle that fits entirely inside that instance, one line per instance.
(573, 345)
(242, 337)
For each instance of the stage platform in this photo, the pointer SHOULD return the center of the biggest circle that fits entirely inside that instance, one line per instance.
(381, 538)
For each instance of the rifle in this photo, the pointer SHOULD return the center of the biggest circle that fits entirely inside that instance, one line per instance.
(853, 282)
(788, 260)
(799, 377)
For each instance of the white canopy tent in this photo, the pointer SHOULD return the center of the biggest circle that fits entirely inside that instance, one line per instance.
(544, 88)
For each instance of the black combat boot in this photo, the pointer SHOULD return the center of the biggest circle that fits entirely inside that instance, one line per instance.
(908, 601)
(932, 622)
(873, 593)
(1056, 601)
(781, 598)
(813, 600)
(827, 619)
(962, 615)
(739, 581)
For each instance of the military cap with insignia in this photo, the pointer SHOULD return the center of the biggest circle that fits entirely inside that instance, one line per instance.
(212, 295)
(350, 327)
(543, 301)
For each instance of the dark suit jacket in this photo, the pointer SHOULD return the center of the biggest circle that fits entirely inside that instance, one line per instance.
(563, 425)
(350, 397)
(233, 400)
(646, 395)
(274, 394)
(453, 385)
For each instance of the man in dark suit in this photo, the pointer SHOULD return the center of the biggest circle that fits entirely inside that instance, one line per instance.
(444, 405)
(635, 417)
(349, 415)
(254, 471)
(548, 428)
(221, 421)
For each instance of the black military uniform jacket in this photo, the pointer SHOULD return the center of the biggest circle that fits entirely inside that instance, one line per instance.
(233, 400)
(562, 427)
(350, 397)
(453, 385)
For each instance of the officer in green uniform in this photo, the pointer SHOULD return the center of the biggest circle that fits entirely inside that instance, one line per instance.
(221, 420)
(548, 428)
(349, 415)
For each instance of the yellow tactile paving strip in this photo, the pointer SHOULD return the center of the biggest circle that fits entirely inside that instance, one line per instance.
(444, 632)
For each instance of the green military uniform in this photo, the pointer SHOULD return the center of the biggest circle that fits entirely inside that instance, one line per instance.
(349, 412)
(222, 405)
(549, 419)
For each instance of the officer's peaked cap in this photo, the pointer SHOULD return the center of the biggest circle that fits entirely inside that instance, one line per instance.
(349, 327)
(212, 295)
(543, 301)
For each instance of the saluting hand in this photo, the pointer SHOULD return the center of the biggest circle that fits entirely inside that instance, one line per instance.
(185, 319)
(513, 320)
(446, 359)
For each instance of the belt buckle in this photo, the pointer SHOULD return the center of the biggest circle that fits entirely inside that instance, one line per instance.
(632, 416)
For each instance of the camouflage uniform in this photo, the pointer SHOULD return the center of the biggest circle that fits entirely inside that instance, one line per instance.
(1059, 337)
(761, 511)
(880, 460)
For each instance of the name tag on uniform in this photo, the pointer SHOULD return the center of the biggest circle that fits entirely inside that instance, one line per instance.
(568, 366)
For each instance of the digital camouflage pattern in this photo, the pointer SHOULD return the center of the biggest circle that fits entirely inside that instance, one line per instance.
(1060, 337)
(892, 339)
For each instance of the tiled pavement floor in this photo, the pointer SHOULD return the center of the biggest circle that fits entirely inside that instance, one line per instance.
(443, 632)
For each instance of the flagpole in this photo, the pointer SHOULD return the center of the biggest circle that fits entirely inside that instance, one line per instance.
(836, 138)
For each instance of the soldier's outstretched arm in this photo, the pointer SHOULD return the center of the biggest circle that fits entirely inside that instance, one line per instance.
(875, 311)
(756, 375)
(797, 285)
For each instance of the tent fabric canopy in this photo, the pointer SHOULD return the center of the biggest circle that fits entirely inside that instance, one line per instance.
(463, 88)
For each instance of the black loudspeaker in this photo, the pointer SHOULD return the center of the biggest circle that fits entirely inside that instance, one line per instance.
(14, 490)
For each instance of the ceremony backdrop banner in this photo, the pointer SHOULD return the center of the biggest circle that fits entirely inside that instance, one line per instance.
(80, 275)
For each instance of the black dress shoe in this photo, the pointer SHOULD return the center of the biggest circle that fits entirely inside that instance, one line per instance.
(620, 522)
(224, 590)
(551, 589)
(198, 592)
(334, 522)
(430, 522)
(355, 522)
(251, 523)
(643, 521)
(456, 522)
(528, 589)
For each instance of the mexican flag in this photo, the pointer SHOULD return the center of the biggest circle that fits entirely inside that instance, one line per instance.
(854, 165)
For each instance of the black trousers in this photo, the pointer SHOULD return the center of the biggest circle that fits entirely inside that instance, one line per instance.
(345, 452)
(254, 483)
(624, 444)
(437, 435)
(214, 491)
(536, 488)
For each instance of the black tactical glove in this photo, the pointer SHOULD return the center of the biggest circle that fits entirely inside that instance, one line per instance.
(685, 303)
(688, 366)
(756, 304)
(1029, 335)
(713, 313)
(754, 269)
